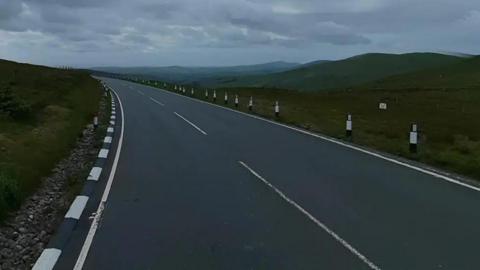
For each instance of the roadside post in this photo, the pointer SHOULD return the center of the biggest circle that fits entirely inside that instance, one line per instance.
(349, 126)
(236, 101)
(214, 96)
(192, 92)
(414, 139)
(250, 104)
(277, 109)
(226, 98)
(206, 94)
(95, 122)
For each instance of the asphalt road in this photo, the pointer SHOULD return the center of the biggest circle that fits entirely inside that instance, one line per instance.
(189, 193)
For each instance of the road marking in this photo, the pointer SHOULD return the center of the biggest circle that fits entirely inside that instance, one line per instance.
(312, 218)
(192, 124)
(110, 129)
(325, 138)
(93, 228)
(103, 153)
(158, 102)
(76, 208)
(107, 139)
(47, 259)
(141, 93)
(95, 173)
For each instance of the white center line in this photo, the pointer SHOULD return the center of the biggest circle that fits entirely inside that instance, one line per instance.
(156, 101)
(312, 218)
(141, 93)
(192, 124)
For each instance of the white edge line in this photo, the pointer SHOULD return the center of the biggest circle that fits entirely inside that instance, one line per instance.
(192, 124)
(77, 207)
(93, 228)
(156, 101)
(377, 155)
(47, 259)
(312, 218)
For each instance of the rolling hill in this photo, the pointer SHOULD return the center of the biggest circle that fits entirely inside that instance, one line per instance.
(343, 73)
(189, 75)
(464, 74)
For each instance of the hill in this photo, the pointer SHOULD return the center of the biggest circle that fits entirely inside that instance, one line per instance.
(177, 74)
(343, 73)
(463, 74)
(42, 112)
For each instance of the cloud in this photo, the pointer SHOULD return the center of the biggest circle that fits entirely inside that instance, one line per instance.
(297, 29)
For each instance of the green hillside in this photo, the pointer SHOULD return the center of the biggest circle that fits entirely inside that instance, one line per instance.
(464, 74)
(42, 113)
(343, 73)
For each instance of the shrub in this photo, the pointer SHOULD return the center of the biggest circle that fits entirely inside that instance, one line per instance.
(12, 105)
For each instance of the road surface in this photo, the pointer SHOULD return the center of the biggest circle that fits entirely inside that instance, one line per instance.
(201, 187)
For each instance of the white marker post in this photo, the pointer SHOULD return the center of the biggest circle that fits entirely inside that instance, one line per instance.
(277, 109)
(349, 126)
(236, 101)
(192, 92)
(413, 139)
(206, 94)
(184, 90)
(226, 98)
(95, 122)
(214, 96)
(250, 104)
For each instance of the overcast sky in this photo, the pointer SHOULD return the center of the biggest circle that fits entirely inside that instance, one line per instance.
(86, 33)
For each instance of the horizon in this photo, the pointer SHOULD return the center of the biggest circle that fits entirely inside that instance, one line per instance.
(221, 33)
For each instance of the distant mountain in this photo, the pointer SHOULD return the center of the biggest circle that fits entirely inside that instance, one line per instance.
(178, 74)
(343, 73)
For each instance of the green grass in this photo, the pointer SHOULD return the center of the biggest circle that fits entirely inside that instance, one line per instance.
(59, 104)
(447, 119)
(343, 73)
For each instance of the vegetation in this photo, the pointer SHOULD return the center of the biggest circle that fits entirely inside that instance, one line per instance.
(42, 113)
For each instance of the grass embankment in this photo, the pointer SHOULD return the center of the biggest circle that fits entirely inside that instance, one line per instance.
(447, 119)
(42, 113)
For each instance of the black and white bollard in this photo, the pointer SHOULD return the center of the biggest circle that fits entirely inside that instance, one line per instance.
(214, 96)
(413, 139)
(184, 90)
(206, 94)
(250, 104)
(348, 127)
(226, 98)
(95, 122)
(236, 101)
(277, 109)
(192, 92)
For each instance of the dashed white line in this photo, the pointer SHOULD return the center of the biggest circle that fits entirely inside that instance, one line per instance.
(107, 139)
(192, 124)
(312, 218)
(93, 228)
(47, 259)
(156, 101)
(76, 208)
